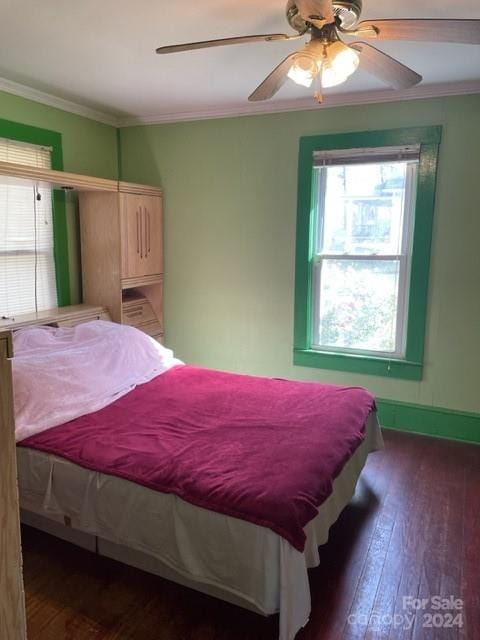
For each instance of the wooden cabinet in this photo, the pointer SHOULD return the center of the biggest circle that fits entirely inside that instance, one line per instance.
(122, 252)
(141, 235)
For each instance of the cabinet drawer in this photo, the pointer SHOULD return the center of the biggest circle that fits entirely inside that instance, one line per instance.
(138, 312)
(153, 329)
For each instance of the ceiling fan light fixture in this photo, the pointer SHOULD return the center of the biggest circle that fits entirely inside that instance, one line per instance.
(339, 63)
(330, 61)
(304, 69)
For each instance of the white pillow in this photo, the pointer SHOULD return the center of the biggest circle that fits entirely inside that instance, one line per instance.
(61, 374)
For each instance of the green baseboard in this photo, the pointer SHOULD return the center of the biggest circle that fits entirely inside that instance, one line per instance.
(429, 421)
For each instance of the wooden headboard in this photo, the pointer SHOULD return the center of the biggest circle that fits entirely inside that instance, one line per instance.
(60, 317)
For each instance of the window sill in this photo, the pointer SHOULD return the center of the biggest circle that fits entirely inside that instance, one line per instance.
(370, 365)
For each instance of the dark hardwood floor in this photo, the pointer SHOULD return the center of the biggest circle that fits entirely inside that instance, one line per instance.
(413, 529)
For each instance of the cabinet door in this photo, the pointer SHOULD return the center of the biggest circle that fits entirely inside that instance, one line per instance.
(141, 218)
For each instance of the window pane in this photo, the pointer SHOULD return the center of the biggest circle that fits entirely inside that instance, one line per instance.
(364, 207)
(358, 304)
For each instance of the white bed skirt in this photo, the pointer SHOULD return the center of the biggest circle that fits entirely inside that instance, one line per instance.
(222, 556)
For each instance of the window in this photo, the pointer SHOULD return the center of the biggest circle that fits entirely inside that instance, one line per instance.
(363, 242)
(27, 268)
(363, 202)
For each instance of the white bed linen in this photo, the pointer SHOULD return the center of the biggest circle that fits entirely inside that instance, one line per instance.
(230, 558)
(88, 367)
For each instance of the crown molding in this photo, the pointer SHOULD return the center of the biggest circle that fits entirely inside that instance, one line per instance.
(307, 104)
(249, 109)
(8, 86)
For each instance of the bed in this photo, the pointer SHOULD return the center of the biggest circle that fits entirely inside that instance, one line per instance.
(164, 497)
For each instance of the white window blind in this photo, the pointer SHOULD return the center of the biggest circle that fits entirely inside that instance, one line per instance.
(366, 155)
(27, 266)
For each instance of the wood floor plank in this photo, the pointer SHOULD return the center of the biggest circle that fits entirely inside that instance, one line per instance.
(413, 528)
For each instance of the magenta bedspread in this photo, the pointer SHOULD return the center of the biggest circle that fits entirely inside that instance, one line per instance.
(259, 449)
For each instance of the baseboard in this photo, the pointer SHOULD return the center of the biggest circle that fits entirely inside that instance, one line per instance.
(430, 421)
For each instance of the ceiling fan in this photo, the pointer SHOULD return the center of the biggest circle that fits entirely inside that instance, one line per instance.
(327, 60)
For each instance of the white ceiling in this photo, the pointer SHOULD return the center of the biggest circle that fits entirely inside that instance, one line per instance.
(101, 53)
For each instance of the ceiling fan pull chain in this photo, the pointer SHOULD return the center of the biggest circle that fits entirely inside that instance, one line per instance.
(318, 95)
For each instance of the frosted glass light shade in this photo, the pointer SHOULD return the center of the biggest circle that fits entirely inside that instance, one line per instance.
(339, 63)
(304, 69)
(333, 60)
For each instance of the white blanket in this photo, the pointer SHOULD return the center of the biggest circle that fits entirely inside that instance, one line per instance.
(63, 373)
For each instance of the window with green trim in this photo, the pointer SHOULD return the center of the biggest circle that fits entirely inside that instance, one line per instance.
(365, 212)
(34, 273)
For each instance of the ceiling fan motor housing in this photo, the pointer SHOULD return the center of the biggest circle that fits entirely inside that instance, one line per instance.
(347, 12)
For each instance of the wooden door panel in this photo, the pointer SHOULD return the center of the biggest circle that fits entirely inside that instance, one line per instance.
(141, 235)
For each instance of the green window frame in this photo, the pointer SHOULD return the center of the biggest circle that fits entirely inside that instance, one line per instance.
(45, 137)
(409, 367)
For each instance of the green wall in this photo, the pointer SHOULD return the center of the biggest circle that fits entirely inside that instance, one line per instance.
(230, 191)
(89, 147)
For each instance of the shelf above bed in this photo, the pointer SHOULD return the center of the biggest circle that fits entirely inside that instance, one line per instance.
(61, 316)
(12, 173)
(23, 174)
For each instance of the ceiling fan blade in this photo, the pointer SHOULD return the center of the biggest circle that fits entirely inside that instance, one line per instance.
(206, 44)
(318, 12)
(274, 81)
(436, 30)
(384, 67)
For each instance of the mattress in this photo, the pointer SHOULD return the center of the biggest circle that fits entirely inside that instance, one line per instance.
(236, 560)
